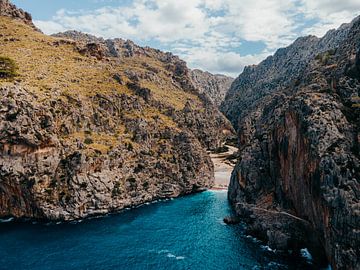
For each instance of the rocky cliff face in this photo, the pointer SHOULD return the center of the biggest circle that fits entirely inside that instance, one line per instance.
(284, 69)
(90, 126)
(297, 181)
(215, 86)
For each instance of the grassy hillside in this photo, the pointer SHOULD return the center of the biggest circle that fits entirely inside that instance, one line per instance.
(49, 64)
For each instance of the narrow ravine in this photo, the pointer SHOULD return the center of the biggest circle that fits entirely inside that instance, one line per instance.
(224, 163)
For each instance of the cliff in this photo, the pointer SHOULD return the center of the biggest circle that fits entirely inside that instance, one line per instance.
(90, 126)
(215, 86)
(297, 116)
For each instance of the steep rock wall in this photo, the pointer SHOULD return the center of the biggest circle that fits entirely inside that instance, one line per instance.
(297, 179)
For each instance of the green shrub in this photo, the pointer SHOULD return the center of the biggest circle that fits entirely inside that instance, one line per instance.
(88, 141)
(325, 57)
(146, 185)
(116, 190)
(8, 67)
(130, 147)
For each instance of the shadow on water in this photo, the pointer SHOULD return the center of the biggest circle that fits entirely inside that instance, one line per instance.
(186, 233)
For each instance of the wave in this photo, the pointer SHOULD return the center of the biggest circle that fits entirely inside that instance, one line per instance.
(6, 220)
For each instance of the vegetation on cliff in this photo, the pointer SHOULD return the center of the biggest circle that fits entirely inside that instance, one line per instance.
(8, 68)
(91, 126)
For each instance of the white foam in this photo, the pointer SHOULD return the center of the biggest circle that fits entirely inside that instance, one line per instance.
(267, 248)
(6, 220)
(170, 255)
(217, 190)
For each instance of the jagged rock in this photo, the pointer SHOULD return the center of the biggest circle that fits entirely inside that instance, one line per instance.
(99, 125)
(297, 179)
(215, 86)
(232, 220)
(43, 175)
(10, 10)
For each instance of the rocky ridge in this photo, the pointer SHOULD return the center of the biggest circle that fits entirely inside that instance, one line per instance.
(10, 10)
(297, 116)
(214, 85)
(284, 69)
(91, 126)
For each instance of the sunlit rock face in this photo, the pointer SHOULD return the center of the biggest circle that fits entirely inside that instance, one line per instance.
(90, 126)
(214, 86)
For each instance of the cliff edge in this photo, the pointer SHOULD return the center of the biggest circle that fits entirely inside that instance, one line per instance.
(297, 181)
(90, 126)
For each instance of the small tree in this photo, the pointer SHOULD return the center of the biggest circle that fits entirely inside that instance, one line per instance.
(8, 67)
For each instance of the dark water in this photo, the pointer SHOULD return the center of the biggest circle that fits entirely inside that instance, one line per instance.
(186, 233)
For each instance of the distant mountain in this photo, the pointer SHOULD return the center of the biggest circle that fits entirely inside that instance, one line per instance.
(215, 86)
(90, 126)
(297, 116)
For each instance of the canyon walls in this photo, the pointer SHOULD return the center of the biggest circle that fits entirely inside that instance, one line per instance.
(297, 116)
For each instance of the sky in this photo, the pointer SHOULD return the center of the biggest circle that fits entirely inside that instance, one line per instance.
(219, 36)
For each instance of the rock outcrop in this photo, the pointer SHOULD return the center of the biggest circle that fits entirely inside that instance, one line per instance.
(10, 10)
(284, 69)
(91, 126)
(215, 86)
(297, 181)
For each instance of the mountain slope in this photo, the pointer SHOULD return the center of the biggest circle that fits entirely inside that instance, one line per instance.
(215, 86)
(93, 126)
(283, 69)
(297, 116)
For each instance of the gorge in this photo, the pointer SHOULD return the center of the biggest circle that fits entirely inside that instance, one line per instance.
(92, 127)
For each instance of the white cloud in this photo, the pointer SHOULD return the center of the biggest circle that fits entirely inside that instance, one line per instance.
(228, 63)
(209, 33)
(269, 21)
(329, 14)
(50, 27)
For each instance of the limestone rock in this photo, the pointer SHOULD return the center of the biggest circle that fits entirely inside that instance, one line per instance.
(10, 10)
(91, 126)
(297, 179)
(215, 86)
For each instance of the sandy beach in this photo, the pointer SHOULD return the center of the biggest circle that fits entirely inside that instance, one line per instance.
(223, 167)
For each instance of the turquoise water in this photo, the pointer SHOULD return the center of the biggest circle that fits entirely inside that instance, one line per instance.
(185, 233)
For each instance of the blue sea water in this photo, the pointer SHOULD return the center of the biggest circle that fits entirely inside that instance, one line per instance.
(185, 233)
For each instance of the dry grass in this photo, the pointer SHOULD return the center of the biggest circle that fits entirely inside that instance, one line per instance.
(46, 67)
(50, 66)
